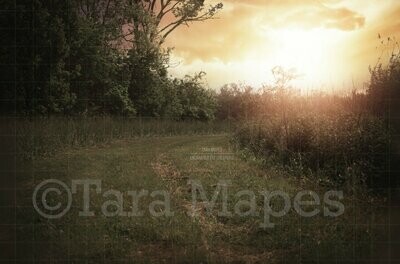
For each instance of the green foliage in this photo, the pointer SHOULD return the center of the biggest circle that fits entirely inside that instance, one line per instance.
(42, 73)
(196, 102)
(237, 102)
(149, 86)
(98, 57)
(118, 101)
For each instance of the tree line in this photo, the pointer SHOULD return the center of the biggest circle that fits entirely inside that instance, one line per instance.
(91, 57)
(99, 57)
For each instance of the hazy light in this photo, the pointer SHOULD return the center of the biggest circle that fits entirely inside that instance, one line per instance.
(315, 54)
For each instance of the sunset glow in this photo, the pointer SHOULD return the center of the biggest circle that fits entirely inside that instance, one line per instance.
(330, 43)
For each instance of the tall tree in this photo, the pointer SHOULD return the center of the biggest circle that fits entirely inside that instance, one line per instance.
(147, 25)
(74, 56)
(157, 19)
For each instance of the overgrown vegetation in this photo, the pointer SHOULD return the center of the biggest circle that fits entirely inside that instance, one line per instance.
(92, 73)
(384, 87)
(333, 149)
(98, 57)
(336, 139)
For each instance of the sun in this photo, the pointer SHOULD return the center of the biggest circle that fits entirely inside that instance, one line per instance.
(311, 52)
(301, 50)
(319, 57)
(314, 54)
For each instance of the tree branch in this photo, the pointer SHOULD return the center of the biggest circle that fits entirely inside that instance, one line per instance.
(163, 12)
(106, 12)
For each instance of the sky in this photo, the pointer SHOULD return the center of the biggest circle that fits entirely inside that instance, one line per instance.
(329, 43)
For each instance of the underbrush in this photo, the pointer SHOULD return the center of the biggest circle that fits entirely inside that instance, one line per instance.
(45, 136)
(339, 148)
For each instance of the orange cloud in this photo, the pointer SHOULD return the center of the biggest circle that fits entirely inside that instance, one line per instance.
(322, 16)
(223, 38)
(237, 29)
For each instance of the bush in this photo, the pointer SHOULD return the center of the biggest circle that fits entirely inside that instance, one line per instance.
(197, 103)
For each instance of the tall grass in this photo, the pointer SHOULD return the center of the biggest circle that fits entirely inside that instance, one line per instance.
(337, 148)
(45, 136)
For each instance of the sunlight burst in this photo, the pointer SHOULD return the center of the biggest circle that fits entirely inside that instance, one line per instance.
(310, 52)
(317, 56)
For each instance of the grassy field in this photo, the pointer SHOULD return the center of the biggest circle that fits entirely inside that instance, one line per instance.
(38, 137)
(168, 163)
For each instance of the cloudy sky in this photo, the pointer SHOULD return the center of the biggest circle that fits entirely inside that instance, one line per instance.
(330, 43)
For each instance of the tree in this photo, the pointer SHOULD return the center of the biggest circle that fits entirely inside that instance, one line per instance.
(196, 102)
(157, 19)
(42, 83)
(147, 24)
(93, 56)
(283, 94)
(237, 102)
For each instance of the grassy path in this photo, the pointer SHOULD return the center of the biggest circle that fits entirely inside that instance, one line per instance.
(168, 164)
